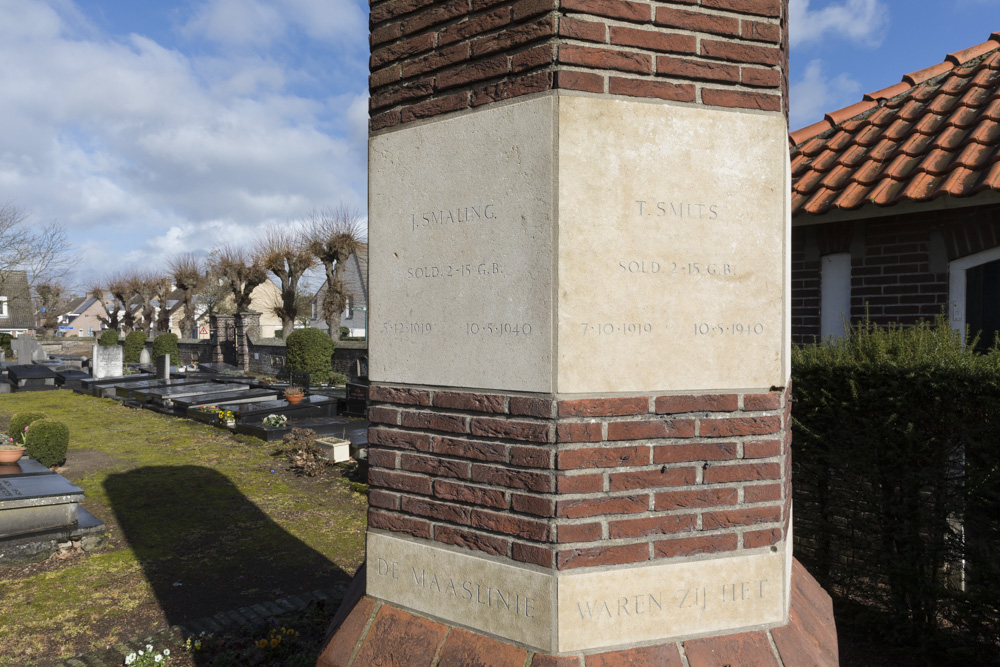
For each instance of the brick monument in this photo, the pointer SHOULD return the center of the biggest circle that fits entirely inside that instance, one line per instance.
(579, 252)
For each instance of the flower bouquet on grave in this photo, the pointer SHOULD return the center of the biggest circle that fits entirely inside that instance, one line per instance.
(275, 421)
(227, 417)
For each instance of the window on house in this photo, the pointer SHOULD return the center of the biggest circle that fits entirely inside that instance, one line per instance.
(835, 294)
(974, 295)
(313, 314)
(349, 309)
(3, 306)
(982, 289)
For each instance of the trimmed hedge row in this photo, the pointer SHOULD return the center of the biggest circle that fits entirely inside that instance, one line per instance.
(896, 476)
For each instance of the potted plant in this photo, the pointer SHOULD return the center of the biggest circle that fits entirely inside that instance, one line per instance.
(9, 452)
(294, 394)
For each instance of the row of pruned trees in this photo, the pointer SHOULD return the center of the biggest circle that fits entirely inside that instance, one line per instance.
(324, 239)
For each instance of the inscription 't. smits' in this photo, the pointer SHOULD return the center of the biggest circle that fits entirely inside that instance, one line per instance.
(452, 216)
(683, 210)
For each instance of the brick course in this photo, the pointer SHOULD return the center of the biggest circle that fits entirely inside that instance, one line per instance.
(430, 58)
(581, 482)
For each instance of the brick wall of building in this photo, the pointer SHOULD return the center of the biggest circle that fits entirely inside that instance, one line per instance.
(894, 275)
(430, 58)
(580, 483)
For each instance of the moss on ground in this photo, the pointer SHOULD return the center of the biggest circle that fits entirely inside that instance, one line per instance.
(198, 523)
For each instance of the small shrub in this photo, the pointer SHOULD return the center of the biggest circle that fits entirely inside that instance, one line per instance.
(134, 342)
(338, 378)
(166, 344)
(108, 338)
(310, 350)
(345, 333)
(47, 441)
(21, 421)
(5, 339)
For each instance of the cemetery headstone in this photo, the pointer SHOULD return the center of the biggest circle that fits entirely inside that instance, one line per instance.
(144, 358)
(39, 354)
(163, 367)
(579, 273)
(107, 361)
(24, 347)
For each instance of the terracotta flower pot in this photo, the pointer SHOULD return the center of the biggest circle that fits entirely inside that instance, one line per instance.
(11, 455)
(294, 399)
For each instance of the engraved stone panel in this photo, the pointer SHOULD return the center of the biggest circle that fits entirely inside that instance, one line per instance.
(461, 213)
(107, 361)
(671, 247)
(641, 604)
(505, 600)
(576, 611)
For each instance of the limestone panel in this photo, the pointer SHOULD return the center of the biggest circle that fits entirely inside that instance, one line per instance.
(671, 600)
(507, 601)
(461, 224)
(671, 247)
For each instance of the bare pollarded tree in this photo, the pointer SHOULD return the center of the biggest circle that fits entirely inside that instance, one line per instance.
(112, 307)
(334, 235)
(51, 297)
(119, 286)
(146, 290)
(40, 250)
(187, 274)
(243, 270)
(285, 253)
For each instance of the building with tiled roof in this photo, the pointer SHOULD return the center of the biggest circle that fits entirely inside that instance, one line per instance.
(896, 203)
(17, 312)
(355, 314)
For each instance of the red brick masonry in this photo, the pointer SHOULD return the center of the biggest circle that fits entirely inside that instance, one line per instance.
(585, 482)
(430, 58)
(366, 631)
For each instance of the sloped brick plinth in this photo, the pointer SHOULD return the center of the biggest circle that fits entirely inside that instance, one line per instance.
(367, 631)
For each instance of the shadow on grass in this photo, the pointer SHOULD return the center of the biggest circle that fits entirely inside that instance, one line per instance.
(205, 548)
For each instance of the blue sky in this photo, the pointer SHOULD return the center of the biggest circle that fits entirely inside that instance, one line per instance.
(149, 128)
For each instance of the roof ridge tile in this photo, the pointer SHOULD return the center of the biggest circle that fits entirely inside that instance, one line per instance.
(888, 92)
(927, 73)
(973, 52)
(801, 136)
(856, 109)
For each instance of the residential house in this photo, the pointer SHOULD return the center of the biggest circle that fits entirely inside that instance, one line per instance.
(81, 317)
(355, 314)
(896, 203)
(263, 300)
(17, 312)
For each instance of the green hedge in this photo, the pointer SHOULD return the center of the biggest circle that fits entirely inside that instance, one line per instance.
(896, 477)
(134, 342)
(167, 344)
(310, 350)
(20, 421)
(108, 338)
(47, 441)
(5, 339)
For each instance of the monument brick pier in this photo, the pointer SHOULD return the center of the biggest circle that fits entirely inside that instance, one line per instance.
(580, 401)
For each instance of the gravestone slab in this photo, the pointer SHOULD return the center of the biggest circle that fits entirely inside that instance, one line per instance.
(24, 347)
(71, 378)
(31, 378)
(163, 367)
(39, 354)
(161, 395)
(126, 390)
(217, 367)
(4, 385)
(182, 403)
(37, 503)
(24, 468)
(357, 399)
(144, 358)
(107, 361)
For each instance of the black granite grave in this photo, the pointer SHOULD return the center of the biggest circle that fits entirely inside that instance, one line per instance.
(217, 367)
(71, 379)
(31, 378)
(164, 395)
(251, 413)
(24, 468)
(181, 404)
(91, 386)
(329, 426)
(126, 390)
(38, 510)
(356, 403)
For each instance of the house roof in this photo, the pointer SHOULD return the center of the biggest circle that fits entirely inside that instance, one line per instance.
(935, 133)
(355, 277)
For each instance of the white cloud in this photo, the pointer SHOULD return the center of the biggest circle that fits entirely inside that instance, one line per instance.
(264, 22)
(863, 22)
(140, 150)
(817, 94)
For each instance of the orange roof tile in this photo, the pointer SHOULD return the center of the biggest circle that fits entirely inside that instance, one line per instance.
(935, 133)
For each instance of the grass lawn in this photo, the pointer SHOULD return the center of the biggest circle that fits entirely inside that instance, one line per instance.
(198, 523)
